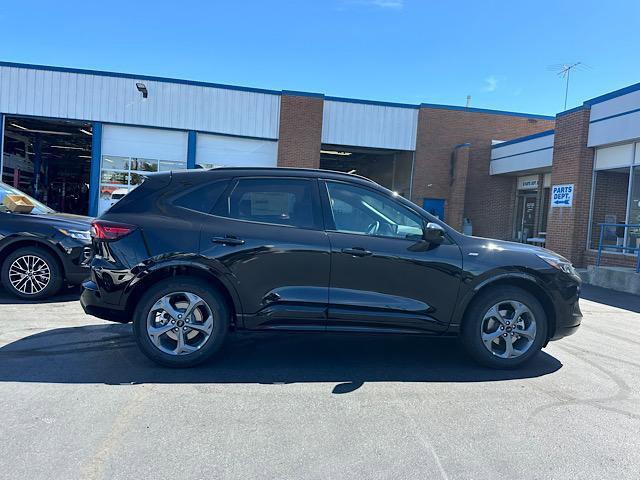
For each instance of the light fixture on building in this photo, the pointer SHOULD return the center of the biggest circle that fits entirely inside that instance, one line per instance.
(86, 132)
(335, 152)
(84, 156)
(66, 147)
(33, 130)
(351, 172)
(142, 88)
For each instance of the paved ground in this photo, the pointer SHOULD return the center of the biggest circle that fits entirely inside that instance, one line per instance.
(77, 400)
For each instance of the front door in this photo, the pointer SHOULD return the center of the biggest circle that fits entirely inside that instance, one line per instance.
(384, 276)
(268, 235)
(526, 218)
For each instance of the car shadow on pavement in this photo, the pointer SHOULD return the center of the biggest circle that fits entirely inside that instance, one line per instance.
(107, 354)
(66, 295)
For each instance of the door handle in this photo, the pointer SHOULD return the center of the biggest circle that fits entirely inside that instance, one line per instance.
(229, 240)
(357, 252)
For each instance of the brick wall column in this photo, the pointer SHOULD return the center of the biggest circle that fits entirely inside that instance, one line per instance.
(300, 133)
(432, 157)
(454, 208)
(572, 163)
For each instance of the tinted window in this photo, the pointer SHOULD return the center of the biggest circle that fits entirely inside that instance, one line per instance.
(272, 200)
(360, 210)
(202, 198)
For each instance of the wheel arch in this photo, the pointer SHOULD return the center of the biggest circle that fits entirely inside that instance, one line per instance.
(18, 243)
(526, 282)
(175, 269)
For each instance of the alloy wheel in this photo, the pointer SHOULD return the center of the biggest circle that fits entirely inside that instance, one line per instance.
(180, 323)
(29, 274)
(508, 329)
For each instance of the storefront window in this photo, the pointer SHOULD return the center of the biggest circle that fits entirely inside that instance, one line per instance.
(616, 198)
(610, 192)
(633, 236)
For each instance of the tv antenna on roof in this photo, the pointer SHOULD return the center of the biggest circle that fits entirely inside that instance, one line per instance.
(564, 71)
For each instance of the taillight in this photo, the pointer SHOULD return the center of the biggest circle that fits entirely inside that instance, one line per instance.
(104, 230)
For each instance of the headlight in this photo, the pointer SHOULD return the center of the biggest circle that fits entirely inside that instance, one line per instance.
(77, 234)
(559, 263)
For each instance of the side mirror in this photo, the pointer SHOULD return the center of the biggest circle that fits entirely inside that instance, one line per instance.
(434, 233)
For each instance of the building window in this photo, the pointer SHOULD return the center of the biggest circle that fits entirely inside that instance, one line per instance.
(120, 175)
(633, 236)
(615, 198)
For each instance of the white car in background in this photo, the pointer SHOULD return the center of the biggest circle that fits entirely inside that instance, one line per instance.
(117, 194)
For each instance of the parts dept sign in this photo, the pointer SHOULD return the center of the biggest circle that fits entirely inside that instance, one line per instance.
(562, 195)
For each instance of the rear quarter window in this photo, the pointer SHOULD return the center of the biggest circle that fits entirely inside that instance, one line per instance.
(201, 198)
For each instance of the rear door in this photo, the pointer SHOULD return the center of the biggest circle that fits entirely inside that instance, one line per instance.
(383, 274)
(268, 233)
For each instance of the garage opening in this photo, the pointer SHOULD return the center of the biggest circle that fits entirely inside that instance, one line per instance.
(49, 160)
(392, 169)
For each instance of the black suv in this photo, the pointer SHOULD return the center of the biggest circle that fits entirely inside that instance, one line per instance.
(188, 256)
(42, 249)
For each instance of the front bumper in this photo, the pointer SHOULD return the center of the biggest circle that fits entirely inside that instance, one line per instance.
(92, 304)
(75, 258)
(568, 321)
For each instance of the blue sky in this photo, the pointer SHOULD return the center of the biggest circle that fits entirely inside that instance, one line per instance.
(410, 51)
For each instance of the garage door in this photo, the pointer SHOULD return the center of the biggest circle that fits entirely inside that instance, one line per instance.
(129, 152)
(223, 151)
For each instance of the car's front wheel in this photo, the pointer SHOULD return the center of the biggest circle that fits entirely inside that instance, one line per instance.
(31, 273)
(504, 327)
(180, 322)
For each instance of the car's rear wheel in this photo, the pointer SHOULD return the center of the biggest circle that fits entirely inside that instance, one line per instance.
(180, 322)
(504, 328)
(31, 273)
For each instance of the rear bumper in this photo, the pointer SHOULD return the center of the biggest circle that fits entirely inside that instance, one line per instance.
(93, 305)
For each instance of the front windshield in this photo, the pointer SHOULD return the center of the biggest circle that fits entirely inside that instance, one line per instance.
(5, 190)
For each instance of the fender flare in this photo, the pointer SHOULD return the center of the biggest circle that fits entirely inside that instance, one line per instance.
(204, 266)
(472, 291)
(41, 241)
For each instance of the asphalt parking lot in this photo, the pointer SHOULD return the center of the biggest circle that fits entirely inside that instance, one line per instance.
(77, 400)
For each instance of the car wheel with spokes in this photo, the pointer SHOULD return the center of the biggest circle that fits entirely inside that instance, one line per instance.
(180, 322)
(504, 327)
(31, 273)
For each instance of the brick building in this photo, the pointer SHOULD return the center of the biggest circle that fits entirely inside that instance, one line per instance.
(78, 140)
(593, 151)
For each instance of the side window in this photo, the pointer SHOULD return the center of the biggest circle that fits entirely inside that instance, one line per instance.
(273, 200)
(201, 198)
(360, 210)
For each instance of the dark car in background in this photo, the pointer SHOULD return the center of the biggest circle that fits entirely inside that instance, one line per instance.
(41, 250)
(188, 256)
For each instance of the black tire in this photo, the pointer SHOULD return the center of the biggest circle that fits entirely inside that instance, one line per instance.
(472, 324)
(213, 299)
(54, 283)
